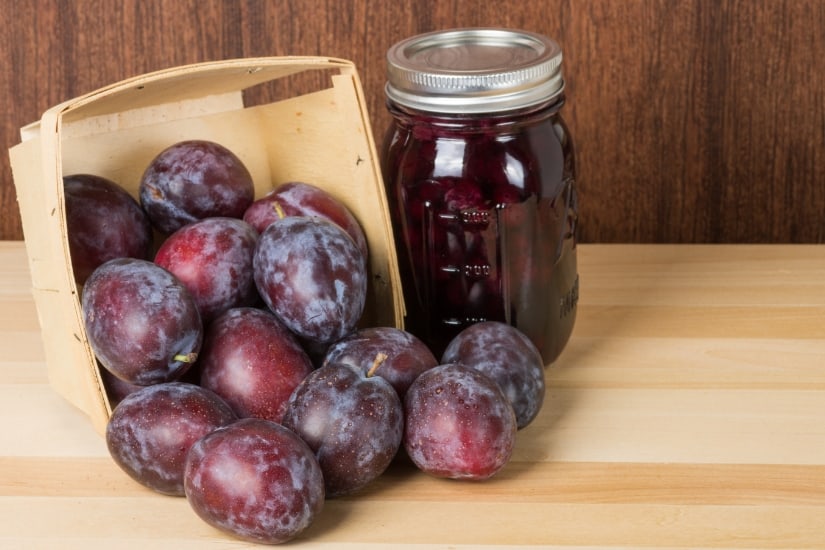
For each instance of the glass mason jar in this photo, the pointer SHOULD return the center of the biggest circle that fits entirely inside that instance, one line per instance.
(480, 174)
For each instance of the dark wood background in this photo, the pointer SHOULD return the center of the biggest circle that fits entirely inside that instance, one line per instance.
(695, 120)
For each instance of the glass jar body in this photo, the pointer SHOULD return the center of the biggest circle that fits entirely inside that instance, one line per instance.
(484, 211)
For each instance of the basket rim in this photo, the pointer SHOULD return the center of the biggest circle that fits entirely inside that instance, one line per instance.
(248, 65)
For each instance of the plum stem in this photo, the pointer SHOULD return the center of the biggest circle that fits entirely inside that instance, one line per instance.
(278, 210)
(186, 357)
(379, 359)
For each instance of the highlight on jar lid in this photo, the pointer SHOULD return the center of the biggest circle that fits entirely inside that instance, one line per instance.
(474, 70)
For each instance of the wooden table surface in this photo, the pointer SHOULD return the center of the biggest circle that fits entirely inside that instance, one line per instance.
(688, 411)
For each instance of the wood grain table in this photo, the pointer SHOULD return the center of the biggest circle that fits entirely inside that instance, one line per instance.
(688, 411)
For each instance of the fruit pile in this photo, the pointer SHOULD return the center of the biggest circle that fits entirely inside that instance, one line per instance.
(234, 355)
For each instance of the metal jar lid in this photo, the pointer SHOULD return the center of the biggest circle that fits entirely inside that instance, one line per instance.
(474, 70)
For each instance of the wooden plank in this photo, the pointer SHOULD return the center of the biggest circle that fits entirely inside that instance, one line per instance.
(701, 321)
(520, 482)
(690, 363)
(21, 345)
(671, 425)
(697, 275)
(164, 522)
(38, 422)
(16, 280)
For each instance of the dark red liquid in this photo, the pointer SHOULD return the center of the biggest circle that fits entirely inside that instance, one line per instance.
(484, 212)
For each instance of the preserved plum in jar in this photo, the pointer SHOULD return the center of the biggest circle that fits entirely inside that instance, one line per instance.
(480, 174)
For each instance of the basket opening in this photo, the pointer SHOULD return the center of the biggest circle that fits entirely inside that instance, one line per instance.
(289, 86)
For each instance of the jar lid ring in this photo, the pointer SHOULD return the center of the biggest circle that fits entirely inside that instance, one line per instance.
(474, 70)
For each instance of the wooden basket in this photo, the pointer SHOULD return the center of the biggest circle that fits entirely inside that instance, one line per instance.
(321, 137)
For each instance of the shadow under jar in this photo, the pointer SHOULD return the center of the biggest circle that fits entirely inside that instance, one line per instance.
(480, 174)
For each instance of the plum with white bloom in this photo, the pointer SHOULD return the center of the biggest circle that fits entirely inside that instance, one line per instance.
(459, 424)
(353, 422)
(313, 276)
(141, 321)
(152, 429)
(255, 480)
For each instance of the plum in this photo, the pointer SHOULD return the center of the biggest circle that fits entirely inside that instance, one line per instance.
(509, 357)
(297, 198)
(253, 361)
(213, 259)
(152, 429)
(141, 322)
(459, 424)
(103, 222)
(255, 480)
(312, 275)
(192, 180)
(352, 421)
(401, 356)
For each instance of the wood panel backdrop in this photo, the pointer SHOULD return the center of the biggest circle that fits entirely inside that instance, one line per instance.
(695, 120)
